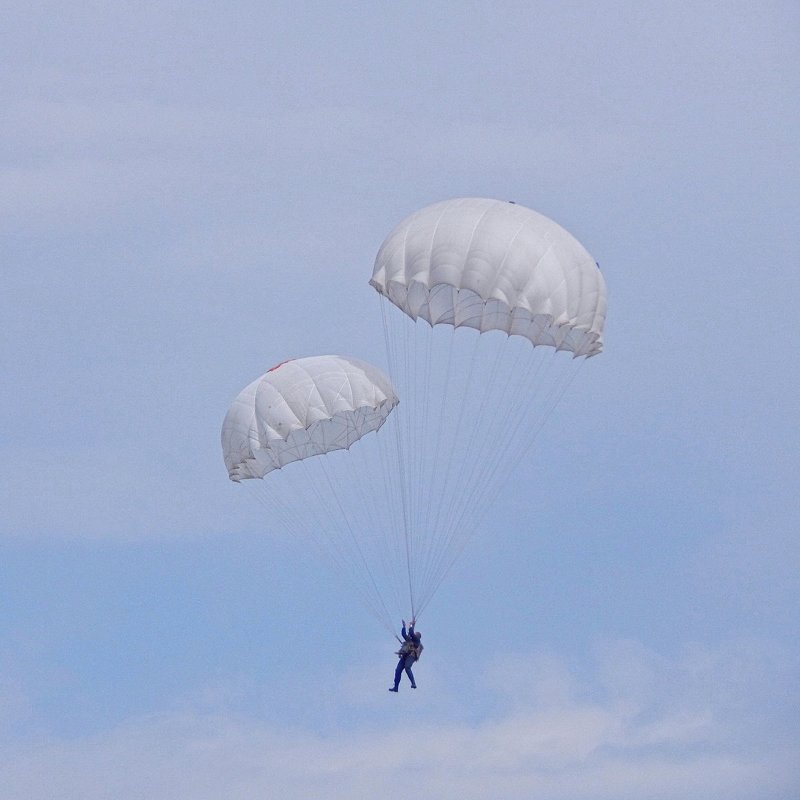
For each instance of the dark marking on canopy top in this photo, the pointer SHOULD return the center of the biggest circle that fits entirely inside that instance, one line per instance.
(272, 369)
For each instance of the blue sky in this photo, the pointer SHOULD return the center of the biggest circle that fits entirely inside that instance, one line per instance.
(191, 193)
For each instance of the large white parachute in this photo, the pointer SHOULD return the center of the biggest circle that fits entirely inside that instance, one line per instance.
(510, 301)
(494, 265)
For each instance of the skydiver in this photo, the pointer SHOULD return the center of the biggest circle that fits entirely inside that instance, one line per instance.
(409, 652)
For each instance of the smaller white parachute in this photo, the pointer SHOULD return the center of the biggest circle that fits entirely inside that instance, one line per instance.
(302, 408)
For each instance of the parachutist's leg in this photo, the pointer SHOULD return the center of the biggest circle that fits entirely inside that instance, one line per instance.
(398, 674)
(411, 676)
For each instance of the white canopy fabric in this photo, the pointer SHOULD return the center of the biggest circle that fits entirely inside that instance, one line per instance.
(302, 408)
(494, 265)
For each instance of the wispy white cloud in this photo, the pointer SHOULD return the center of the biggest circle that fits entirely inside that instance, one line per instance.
(653, 745)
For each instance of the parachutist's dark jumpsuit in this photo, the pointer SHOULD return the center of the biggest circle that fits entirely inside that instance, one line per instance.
(408, 655)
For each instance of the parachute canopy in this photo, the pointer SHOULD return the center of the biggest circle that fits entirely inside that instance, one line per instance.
(494, 265)
(302, 408)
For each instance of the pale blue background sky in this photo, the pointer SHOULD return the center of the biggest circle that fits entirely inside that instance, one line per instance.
(193, 192)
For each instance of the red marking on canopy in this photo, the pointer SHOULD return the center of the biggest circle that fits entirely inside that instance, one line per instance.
(272, 369)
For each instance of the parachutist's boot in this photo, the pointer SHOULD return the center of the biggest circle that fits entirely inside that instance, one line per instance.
(413, 685)
(393, 689)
